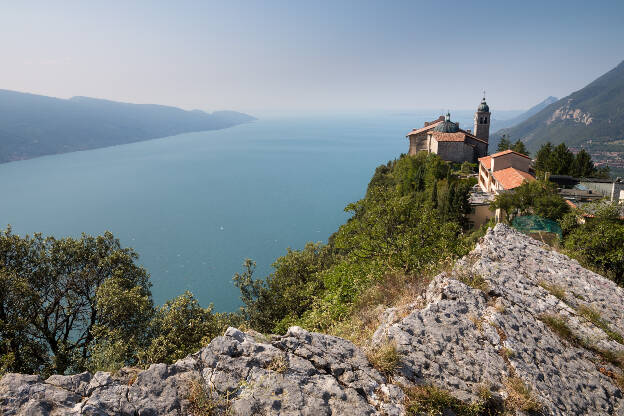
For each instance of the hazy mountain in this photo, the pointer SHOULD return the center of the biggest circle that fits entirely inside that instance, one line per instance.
(591, 117)
(34, 125)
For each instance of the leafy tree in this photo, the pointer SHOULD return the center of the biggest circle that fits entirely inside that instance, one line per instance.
(600, 244)
(53, 285)
(180, 327)
(468, 168)
(536, 197)
(288, 291)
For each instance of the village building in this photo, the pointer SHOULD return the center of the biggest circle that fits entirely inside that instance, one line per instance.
(444, 137)
(504, 171)
(501, 172)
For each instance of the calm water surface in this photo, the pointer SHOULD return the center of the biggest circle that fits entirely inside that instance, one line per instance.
(194, 206)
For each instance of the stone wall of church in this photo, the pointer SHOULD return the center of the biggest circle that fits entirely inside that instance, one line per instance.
(418, 142)
(456, 151)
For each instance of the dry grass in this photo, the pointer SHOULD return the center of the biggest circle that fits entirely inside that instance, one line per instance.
(520, 396)
(555, 290)
(477, 321)
(206, 402)
(431, 400)
(384, 357)
(475, 281)
(594, 317)
(507, 352)
(278, 364)
(559, 326)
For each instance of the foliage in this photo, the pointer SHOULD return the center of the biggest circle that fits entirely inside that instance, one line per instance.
(180, 327)
(384, 357)
(506, 144)
(559, 160)
(67, 305)
(599, 244)
(536, 197)
(410, 221)
(49, 299)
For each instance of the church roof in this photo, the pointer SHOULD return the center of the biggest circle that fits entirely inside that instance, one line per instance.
(447, 126)
(511, 178)
(426, 128)
(483, 107)
(459, 136)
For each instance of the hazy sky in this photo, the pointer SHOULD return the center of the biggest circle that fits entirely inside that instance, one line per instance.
(309, 55)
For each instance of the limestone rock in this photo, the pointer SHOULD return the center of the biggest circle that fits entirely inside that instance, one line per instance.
(477, 328)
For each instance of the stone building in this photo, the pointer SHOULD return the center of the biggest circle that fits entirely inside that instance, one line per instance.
(444, 137)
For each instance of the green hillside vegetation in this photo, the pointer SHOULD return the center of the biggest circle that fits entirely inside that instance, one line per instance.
(559, 160)
(603, 100)
(34, 125)
(69, 305)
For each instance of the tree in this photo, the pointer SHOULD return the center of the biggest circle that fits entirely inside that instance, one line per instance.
(600, 244)
(504, 143)
(180, 327)
(53, 285)
(583, 167)
(543, 159)
(536, 197)
(562, 160)
(519, 147)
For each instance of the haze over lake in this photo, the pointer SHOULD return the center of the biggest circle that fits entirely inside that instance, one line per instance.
(194, 206)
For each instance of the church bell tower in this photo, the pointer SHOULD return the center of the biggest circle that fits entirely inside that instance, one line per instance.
(482, 121)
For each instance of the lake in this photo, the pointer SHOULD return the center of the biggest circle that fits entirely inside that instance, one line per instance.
(195, 206)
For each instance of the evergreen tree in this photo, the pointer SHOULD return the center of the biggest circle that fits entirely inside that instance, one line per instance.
(434, 194)
(543, 159)
(583, 166)
(562, 160)
(504, 144)
(519, 147)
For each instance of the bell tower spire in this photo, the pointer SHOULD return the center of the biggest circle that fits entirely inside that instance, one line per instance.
(482, 121)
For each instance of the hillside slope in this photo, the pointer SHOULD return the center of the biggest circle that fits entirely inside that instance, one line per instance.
(595, 112)
(483, 331)
(508, 123)
(34, 125)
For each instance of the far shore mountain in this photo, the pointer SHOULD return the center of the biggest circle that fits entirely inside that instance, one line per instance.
(510, 122)
(34, 125)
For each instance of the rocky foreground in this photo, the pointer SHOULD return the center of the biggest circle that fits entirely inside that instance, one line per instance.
(514, 324)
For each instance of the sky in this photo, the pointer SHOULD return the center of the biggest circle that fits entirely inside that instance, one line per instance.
(309, 56)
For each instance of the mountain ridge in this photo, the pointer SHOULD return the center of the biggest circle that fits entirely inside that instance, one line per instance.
(592, 116)
(34, 125)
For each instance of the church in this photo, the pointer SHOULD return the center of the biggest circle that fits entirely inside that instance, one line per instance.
(446, 139)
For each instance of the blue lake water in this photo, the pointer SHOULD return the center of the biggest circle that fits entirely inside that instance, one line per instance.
(194, 206)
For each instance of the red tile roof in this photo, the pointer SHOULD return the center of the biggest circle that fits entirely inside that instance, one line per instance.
(460, 136)
(423, 129)
(511, 178)
(506, 152)
(486, 161)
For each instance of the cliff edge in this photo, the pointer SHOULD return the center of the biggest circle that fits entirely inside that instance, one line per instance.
(515, 325)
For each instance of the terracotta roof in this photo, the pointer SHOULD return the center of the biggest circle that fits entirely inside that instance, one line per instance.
(512, 178)
(460, 136)
(426, 128)
(486, 161)
(506, 152)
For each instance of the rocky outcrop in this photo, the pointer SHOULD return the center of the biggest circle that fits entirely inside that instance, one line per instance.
(513, 321)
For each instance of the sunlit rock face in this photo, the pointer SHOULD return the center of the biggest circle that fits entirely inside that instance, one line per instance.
(485, 326)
